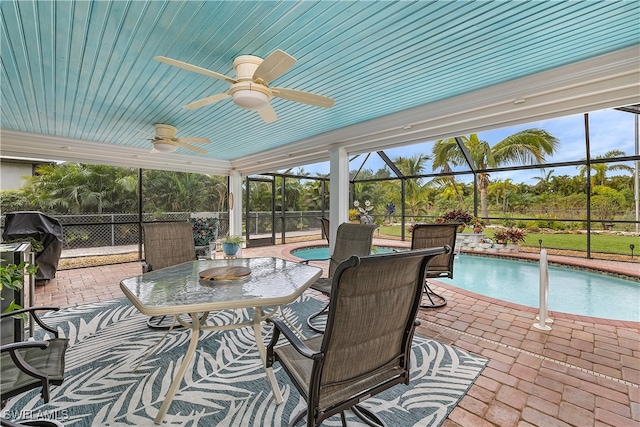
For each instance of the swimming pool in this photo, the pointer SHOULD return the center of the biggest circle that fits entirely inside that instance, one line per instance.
(322, 252)
(570, 291)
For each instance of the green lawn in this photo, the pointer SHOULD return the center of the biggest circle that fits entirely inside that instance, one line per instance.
(605, 243)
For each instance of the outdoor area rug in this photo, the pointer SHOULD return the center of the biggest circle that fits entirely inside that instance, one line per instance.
(227, 385)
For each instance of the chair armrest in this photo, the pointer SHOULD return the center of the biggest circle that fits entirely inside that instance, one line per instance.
(23, 344)
(281, 326)
(306, 261)
(31, 310)
(34, 316)
(19, 361)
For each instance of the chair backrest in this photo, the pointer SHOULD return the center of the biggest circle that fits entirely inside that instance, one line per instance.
(372, 313)
(436, 235)
(351, 239)
(168, 243)
(324, 224)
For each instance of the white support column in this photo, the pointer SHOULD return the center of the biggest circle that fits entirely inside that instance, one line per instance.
(339, 191)
(235, 203)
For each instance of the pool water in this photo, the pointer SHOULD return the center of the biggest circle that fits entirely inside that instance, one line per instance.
(322, 252)
(570, 291)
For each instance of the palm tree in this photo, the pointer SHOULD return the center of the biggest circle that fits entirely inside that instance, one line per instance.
(544, 181)
(414, 193)
(529, 146)
(502, 189)
(82, 188)
(312, 194)
(601, 169)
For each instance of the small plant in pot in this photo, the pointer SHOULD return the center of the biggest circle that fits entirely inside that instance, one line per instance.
(231, 244)
(12, 278)
(500, 237)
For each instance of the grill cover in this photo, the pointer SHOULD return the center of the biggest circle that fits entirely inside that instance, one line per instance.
(43, 228)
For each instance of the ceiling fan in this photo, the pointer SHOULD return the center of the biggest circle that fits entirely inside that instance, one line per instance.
(165, 141)
(250, 89)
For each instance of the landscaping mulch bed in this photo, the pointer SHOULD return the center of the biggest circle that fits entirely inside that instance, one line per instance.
(96, 260)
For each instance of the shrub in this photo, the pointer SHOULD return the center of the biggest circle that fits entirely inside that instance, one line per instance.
(545, 221)
(457, 216)
(509, 222)
(464, 218)
(515, 235)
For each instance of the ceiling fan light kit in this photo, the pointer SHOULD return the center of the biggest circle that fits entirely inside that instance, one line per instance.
(164, 147)
(250, 96)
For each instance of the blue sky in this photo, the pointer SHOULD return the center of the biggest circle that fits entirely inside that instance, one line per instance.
(609, 129)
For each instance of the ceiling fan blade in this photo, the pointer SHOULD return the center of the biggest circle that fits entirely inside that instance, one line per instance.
(268, 114)
(303, 97)
(194, 140)
(206, 101)
(191, 148)
(194, 68)
(274, 66)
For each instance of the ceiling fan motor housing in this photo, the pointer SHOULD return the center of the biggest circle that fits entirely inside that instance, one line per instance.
(165, 131)
(246, 93)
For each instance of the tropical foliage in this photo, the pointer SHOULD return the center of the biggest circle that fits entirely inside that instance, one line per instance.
(12, 277)
(75, 188)
(515, 235)
(530, 146)
(70, 188)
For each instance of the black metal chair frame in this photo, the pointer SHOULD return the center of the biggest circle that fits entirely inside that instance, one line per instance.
(41, 378)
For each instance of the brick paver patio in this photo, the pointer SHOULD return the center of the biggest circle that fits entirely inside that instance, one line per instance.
(584, 372)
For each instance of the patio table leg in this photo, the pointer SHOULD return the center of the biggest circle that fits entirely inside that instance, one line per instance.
(186, 362)
(257, 330)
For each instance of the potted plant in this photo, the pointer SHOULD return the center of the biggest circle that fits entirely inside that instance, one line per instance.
(12, 278)
(231, 244)
(515, 236)
(500, 237)
(477, 225)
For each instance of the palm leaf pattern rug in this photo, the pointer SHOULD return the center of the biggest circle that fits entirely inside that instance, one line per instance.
(227, 385)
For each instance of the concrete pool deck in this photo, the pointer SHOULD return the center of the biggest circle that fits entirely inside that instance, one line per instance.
(584, 372)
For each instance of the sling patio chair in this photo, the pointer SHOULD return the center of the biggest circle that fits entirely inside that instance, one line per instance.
(366, 345)
(26, 365)
(166, 244)
(430, 236)
(324, 224)
(351, 239)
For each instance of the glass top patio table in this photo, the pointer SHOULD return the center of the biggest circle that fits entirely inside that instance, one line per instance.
(179, 290)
